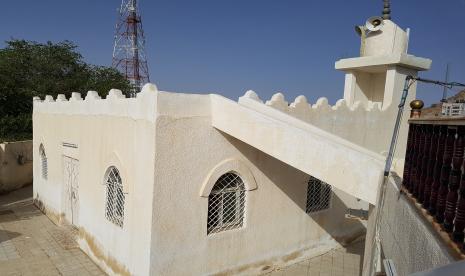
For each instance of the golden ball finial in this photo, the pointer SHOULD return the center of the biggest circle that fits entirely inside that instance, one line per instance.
(417, 104)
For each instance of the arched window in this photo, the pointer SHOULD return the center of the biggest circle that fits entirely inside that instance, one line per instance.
(43, 162)
(226, 204)
(318, 195)
(114, 206)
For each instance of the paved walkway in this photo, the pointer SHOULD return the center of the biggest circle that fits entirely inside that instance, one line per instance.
(30, 244)
(339, 262)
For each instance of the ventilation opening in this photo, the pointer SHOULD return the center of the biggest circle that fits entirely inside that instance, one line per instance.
(318, 195)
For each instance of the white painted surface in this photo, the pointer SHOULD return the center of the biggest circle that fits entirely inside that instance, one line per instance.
(344, 165)
(190, 153)
(170, 147)
(109, 132)
(166, 161)
(390, 39)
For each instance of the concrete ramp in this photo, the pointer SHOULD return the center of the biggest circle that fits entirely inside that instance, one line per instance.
(338, 162)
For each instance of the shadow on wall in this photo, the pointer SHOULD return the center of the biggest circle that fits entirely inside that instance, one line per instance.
(293, 183)
(15, 165)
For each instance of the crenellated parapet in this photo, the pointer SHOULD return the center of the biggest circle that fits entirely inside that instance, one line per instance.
(114, 104)
(365, 124)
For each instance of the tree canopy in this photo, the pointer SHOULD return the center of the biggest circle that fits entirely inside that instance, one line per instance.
(29, 69)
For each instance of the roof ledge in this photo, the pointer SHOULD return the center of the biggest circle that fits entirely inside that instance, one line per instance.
(373, 64)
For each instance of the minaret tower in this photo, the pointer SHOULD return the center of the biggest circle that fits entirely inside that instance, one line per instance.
(377, 76)
(129, 47)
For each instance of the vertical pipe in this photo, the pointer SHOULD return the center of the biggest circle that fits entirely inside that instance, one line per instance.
(408, 155)
(395, 134)
(444, 91)
(376, 247)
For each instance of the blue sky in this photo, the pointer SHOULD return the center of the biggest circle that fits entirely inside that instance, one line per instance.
(228, 47)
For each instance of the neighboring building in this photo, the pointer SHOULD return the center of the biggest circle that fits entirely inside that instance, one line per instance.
(185, 184)
(453, 109)
(437, 110)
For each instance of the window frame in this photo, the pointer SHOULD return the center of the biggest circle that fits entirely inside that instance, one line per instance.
(43, 162)
(115, 197)
(215, 217)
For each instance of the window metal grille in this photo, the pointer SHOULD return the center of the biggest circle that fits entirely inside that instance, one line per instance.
(43, 162)
(318, 195)
(226, 204)
(114, 210)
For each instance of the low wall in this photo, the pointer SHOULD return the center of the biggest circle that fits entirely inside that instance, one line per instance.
(368, 125)
(15, 165)
(407, 238)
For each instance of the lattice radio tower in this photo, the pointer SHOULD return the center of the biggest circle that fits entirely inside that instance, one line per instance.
(129, 48)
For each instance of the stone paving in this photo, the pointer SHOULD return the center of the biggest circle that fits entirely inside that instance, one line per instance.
(30, 244)
(338, 262)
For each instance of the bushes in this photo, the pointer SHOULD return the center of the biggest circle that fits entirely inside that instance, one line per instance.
(29, 69)
(15, 128)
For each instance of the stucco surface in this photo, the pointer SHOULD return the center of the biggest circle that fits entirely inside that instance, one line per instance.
(15, 165)
(276, 229)
(343, 164)
(169, 148)
(166, 149)
(101, 139)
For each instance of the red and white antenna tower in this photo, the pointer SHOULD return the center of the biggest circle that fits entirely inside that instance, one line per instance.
(129, 48)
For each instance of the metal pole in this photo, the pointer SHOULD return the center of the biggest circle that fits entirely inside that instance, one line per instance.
(395, 134)
(375, 249)
(444, 92)
(382, 187)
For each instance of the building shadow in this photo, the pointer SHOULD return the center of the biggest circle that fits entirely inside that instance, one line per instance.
(18, 205)
(7, 235)
(344, 230)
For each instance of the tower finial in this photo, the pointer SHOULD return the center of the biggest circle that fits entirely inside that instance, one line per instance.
(387, 10)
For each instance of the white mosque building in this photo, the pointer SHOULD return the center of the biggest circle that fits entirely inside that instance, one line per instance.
(189, 184)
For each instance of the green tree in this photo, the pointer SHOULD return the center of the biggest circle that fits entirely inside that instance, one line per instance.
(29, 69)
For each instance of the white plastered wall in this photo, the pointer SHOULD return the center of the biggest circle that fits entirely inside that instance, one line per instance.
(112, 131)
(276, 229)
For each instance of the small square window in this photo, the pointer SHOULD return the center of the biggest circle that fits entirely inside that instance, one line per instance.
(318, 195)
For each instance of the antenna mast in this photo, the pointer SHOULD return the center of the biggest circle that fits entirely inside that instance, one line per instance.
(444, 91)
(129, 47)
